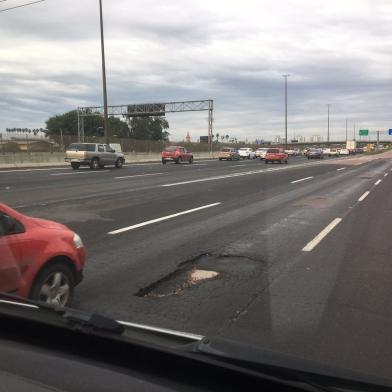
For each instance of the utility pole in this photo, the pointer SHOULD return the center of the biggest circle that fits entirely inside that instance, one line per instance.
(346, 130)
(354, 131)
(79, 125)
(61, 139)
(328, 125)
(378, 139)
(285, 101)
(210, 123)
(105, 95)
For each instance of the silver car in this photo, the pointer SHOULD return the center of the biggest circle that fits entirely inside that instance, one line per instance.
(95, 155)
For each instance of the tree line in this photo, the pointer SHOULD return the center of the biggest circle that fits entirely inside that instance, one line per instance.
(34, 131)
(227, 137)
(142, 128)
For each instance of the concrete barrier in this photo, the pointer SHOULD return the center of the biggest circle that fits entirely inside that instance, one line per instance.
(43, 159)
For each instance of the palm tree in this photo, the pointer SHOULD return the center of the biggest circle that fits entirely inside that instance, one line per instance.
(217, 137)
(222, 138)
(227, 137)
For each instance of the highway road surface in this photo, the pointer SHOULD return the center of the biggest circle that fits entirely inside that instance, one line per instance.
(295, 258)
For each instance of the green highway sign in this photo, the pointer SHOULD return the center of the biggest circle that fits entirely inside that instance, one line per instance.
(363, 132)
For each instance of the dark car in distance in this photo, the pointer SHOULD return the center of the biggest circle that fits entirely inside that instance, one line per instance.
(315, 153)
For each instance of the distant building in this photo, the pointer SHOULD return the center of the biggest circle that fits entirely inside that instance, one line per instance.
(279, 140)
(32, 144)
(187, 138)
(316, 138)
(300, 139)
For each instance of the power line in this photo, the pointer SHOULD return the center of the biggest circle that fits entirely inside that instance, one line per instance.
(19, 6)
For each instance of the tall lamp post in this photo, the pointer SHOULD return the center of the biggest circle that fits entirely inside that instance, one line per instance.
(328, 124)
(105, 95)
(346, 130)
(285, 106)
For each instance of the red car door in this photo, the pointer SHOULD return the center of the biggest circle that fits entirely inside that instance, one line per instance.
(188, 155)
(10, 255)
(183, 153)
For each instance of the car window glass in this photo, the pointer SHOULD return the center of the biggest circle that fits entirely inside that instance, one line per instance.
(10, 225)
(2, 226)
(101, 148)
(81, 147)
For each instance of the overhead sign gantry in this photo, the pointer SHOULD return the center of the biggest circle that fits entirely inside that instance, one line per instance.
(148, 109)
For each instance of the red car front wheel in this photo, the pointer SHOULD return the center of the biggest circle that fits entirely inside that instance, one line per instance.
(54, 285)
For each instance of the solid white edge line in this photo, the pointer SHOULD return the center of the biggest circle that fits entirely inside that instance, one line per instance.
(140, 175)
(385, 174)
(162, 219)
(364, 196)
(342, 168)
(302, 179)
(377, 182)
(316, 240)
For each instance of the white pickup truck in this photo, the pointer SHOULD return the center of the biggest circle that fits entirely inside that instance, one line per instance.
(94, 155)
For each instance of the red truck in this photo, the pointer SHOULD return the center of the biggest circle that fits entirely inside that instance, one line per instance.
(177, 154)
(276, 155)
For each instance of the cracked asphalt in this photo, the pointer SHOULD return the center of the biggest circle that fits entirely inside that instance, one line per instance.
(147, 227)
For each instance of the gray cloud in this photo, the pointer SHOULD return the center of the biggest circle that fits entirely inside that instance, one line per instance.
(336, 52)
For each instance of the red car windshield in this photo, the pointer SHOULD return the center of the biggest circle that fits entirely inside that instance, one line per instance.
(171, 149)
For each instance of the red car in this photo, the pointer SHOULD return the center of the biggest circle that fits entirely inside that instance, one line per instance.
(39, 259)
(275, 155)
(176, 154)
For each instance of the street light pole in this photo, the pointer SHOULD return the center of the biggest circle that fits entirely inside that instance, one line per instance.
(328, 125)
(346, 130)
(285, 101)
(105, 95)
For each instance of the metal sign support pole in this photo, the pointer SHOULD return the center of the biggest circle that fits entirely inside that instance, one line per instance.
(210, 111)
(78, 125)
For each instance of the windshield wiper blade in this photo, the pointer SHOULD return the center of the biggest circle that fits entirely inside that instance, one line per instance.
(82, 320)
(76, 319)
(287, 368)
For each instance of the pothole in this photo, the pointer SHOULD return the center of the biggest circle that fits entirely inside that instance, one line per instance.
(198, 275)
(197, 272)
(177, 282)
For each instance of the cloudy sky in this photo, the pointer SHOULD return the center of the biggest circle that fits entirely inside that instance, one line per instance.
(337, 52)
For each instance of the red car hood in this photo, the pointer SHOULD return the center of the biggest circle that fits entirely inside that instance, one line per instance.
(47, 224)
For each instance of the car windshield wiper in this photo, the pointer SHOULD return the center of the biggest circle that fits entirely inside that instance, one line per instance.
(263, 363)
(76, 319)
(282, 367)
